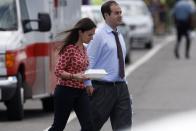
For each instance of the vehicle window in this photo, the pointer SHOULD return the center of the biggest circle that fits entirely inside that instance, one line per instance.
(85, 14)
(93, 13)
(98, 16)
(8, 13)
(134, 10)
(24, 13)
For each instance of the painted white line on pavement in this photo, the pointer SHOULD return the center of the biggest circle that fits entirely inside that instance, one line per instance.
(129, 69)
(146, 57)
(46, 129)
(71, 117)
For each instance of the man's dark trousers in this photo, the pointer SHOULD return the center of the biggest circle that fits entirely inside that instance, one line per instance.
(111, 100)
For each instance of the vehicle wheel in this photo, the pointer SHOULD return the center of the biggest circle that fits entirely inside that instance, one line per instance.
(149, 45)
(48, 104)
(15, 109)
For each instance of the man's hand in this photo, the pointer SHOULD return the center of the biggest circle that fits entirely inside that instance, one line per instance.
(90, 90)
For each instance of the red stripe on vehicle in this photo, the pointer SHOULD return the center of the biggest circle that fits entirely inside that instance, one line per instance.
(38, 49)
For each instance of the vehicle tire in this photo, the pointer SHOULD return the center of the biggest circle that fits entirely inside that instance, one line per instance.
(15, 109)
(48, 104)
(149, 45)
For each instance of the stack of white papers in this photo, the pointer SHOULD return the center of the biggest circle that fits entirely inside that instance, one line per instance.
(95, 73)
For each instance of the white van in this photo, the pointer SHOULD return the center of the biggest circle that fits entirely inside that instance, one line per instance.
(27, 49)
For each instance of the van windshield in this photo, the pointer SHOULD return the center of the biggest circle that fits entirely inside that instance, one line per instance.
(134, 10)
(8, 19)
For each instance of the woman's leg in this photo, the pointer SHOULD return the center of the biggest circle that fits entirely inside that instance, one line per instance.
(63, 104)
(82, 109)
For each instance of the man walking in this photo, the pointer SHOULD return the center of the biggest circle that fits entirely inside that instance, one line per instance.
(111, 98)
(182, 15)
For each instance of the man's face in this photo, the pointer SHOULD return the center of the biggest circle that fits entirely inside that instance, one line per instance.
(115, 18)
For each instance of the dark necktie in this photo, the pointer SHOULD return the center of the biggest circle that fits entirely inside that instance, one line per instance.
(120, 55)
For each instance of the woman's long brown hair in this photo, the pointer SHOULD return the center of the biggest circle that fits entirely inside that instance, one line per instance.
(72, 37)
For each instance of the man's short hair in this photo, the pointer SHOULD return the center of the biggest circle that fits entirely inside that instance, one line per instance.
(105, 8)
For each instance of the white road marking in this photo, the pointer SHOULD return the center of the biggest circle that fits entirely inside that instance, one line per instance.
(129, 69)
(146, 57)
(71, 117)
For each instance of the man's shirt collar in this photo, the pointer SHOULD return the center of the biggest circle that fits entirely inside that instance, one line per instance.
(109, 29)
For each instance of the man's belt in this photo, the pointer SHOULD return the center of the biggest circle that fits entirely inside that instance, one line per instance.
(109, 83)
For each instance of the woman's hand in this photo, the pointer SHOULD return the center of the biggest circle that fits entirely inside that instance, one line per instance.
(90, 90)
(80, 77)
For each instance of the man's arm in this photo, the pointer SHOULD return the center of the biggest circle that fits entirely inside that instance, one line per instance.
(94, 50)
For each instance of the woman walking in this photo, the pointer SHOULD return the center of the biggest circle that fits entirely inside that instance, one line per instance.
(70, 93)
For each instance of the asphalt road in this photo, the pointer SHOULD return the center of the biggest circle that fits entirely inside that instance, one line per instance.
(165, 88)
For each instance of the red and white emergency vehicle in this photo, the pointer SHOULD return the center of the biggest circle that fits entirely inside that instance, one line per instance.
(28, 30)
